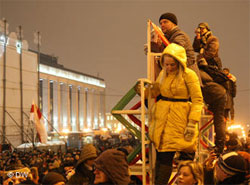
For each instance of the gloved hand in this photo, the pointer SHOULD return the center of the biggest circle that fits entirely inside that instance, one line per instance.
(190, 130)
(138, 89)
(197, 31)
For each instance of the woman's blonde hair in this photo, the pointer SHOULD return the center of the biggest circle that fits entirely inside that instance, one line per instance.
(195, 168)
(179, 74)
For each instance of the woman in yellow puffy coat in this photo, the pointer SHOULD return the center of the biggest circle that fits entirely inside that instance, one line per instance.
(174, 120)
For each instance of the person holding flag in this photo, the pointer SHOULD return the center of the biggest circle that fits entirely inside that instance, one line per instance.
(37, 118)
(173, 34)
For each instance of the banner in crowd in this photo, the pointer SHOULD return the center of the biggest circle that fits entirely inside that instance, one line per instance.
(38, 120)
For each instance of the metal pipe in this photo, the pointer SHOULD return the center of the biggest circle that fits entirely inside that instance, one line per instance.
(149, 50)
(38, 71)
(144, 173)
(31, 127)
(12, 118)
(4, 84)
(21, 82)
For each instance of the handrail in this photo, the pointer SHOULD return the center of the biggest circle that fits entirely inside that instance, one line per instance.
(7, 140)
(205, 142)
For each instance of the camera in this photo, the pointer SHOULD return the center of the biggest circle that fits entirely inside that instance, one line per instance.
(197, 30)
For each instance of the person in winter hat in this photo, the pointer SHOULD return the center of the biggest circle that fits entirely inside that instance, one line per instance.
(84, 166)
(229, 168)
(232, 88)
(68, 169)
(174, 119)
(169, 26)
(112, 168)
(53, 178)
(207, 45)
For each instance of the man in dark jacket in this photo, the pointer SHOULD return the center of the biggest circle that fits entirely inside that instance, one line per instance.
(171, 30)
(231, 92)
(169, 26)
(214, 95)
(207, 45)
(84, 167)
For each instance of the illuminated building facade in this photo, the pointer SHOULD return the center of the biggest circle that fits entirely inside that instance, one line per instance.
(70, 101)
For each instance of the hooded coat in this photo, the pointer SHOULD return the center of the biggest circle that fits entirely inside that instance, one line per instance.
(83, 175)
(169, 119)
(114, 164)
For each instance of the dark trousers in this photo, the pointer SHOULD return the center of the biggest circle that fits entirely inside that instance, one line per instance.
(219, 122)
(164, 162)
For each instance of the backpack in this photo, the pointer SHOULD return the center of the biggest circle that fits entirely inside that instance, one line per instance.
(217, 75)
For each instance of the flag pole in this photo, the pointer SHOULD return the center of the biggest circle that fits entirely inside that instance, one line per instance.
(4, 84)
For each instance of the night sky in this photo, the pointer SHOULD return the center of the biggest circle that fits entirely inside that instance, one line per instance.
(105, 38)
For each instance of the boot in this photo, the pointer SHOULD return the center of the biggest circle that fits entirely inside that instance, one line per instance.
(219, 146)
(162, 174)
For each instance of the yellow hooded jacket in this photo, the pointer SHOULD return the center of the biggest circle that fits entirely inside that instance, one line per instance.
(169, 119)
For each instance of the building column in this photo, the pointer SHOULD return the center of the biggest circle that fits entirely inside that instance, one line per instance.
(103, 108)
(48, 107)
(84, 98)
(77, 108)
(98, 108)
(92, 109)
(64, 106)
(59, 107)
(68, 108)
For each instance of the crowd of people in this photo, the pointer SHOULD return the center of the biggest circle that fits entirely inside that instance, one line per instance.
(85, 166)
(90, 166)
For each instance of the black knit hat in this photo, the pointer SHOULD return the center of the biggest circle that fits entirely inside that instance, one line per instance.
(232, 163)
(169, 16)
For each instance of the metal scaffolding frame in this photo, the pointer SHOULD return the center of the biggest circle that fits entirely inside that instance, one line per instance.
(147, 170)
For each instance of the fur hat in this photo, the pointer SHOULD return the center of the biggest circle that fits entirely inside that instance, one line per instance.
(88, 152)
(232, 163)
(169, 16)
(53, 178)
(114, 164)
(204, 25)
